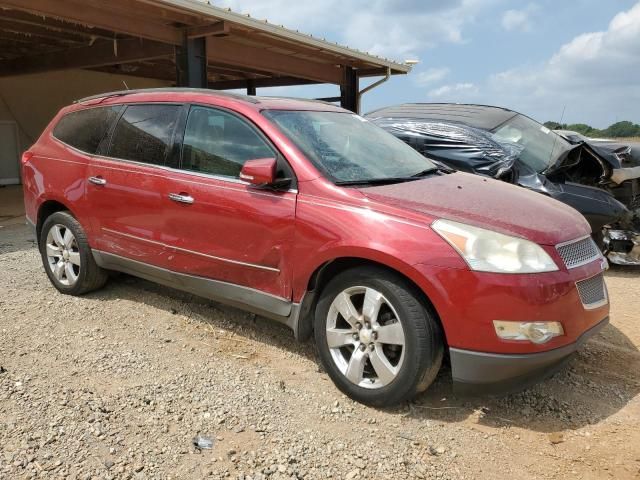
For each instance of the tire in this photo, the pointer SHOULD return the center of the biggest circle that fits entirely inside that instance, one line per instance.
(409, 368)
(79, 274)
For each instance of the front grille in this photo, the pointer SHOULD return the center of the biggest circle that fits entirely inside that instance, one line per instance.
(579, 252)
(592, 291)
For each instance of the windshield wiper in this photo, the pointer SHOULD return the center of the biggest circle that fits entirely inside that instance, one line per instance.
(425, 173)
(374, 181)
(387, 180)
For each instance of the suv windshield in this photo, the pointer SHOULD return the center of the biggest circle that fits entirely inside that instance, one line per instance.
(542, 147)
(350, 149)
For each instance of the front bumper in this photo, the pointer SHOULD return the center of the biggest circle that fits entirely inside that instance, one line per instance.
(479, 372)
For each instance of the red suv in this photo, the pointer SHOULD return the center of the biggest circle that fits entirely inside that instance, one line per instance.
(310, 215)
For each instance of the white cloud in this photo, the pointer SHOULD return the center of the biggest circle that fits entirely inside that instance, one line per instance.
(430, 76)
(398, 29)
(449, 92)
(596, 75)
(519, 19)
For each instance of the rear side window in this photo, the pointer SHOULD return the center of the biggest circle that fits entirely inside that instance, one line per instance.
(86, 129)
(144, 133)
(218, 143)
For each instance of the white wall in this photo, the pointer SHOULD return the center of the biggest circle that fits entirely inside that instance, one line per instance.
(32, 100)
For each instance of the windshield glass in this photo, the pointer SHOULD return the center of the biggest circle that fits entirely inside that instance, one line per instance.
(542, 147)
(348, 148)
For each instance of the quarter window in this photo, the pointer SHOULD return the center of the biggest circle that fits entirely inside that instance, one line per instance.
(86, 129)
(219, 143)
(144, 133)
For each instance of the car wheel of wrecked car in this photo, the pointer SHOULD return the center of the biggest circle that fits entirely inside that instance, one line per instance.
(376, 339)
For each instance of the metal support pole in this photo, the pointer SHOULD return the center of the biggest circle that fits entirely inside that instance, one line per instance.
(191, 63)
(349, 90)
(251, 87)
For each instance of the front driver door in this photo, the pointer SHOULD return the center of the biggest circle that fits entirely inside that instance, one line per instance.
(222, 228)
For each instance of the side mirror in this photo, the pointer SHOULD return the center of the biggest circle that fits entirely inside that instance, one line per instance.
(260, 172)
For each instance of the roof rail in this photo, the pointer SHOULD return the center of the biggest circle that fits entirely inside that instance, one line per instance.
(122, 93)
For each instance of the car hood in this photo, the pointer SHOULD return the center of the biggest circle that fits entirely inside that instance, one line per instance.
(485, 203)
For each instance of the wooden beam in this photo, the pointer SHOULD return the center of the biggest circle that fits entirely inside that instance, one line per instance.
(151, 11)
(375, 72)
(11, 49)
(228, 52)
(99, 17)
(141, 71)
(41, 34)
(269, 40)
(218, 29)
(259, 83)
(98, 55)
(25, 18)
(237, 71)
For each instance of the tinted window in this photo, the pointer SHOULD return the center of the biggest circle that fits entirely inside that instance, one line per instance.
(144, 133)
(219, 143)
(85, 129)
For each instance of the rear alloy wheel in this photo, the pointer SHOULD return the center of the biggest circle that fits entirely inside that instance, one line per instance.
(67, 257)
(377, 340)
(63, 256)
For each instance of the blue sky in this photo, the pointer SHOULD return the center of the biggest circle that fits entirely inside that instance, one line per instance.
(536, 57)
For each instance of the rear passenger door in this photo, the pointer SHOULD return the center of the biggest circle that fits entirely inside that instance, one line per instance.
(221, 227)
(126, 182)
(80, 135)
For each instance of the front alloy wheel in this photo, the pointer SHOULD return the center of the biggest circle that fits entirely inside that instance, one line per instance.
(365, 337)
(377, 336)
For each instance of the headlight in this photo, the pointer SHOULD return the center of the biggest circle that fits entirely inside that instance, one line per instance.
(535, 332)
(487, 251)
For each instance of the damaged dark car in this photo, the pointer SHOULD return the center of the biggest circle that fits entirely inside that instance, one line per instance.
(627, 155)
(509, 146)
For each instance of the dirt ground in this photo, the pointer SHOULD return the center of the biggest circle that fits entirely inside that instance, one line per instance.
(117, 383)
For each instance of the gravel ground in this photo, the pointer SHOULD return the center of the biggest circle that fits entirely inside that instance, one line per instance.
(118, 383)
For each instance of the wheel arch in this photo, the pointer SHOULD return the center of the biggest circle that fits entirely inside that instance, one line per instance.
(327, 270)
(45, 210)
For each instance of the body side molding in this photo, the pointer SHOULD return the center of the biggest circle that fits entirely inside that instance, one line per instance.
(245, 298)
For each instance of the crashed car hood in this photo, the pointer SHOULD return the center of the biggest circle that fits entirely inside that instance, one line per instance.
(486, 203)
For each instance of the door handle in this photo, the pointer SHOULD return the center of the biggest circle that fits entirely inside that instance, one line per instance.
(97, 180)
(181, 198)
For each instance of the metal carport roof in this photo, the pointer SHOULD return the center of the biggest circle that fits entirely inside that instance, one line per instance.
(189, 42)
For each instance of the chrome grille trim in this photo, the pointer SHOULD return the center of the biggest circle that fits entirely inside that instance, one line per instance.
(593, 292)
(576, 253)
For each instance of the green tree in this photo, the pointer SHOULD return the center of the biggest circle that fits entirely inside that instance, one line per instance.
(553, 125)
(622, 129)
(584, 129)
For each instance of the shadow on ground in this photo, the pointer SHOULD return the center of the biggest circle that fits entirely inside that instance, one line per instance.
(599, 381)
(15, 237)
(589, 390)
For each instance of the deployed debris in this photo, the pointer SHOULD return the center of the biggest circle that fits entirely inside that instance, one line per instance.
(203, 442)
(600, 181)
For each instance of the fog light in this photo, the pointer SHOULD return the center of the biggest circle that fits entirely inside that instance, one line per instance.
(535, 332)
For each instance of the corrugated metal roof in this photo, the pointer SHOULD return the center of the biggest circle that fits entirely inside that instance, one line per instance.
(207, 10)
